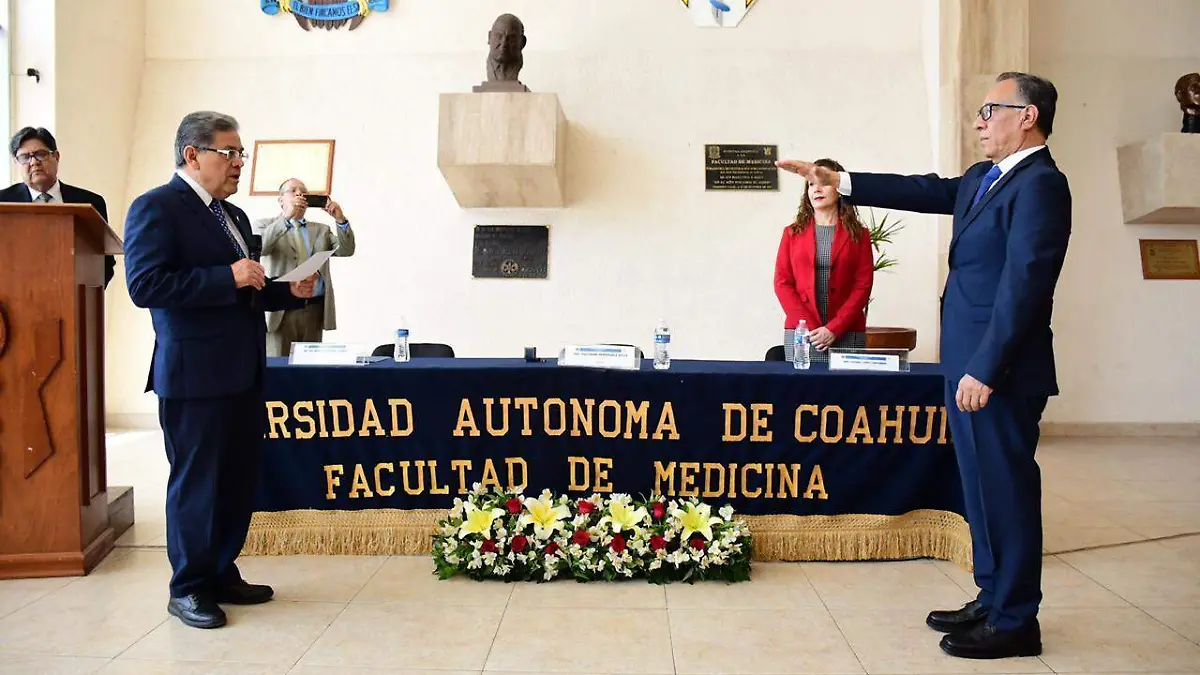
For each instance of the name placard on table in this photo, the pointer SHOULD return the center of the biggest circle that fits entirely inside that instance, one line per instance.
(323, 354)
(879, 360)
(601, 356)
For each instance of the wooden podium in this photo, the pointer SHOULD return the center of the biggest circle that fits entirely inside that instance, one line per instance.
(53, 487)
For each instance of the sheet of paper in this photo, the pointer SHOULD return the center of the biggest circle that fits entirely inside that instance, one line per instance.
(307, 268)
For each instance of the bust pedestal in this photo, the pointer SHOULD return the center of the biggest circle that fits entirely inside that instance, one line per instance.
(499, 86)
(505, 149)
(1159, 178)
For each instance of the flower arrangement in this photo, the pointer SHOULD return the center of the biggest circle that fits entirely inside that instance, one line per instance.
(508, 536)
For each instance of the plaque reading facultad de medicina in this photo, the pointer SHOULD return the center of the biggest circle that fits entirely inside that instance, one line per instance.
(510, 252)
(1170, 259)
(741, 167)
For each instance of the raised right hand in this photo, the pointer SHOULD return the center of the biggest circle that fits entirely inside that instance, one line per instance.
(246, 272)
(817, 175)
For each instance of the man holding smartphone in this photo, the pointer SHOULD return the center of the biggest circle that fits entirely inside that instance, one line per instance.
(288, 240)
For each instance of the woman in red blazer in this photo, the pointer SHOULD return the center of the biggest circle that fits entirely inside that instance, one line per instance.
(824, 271)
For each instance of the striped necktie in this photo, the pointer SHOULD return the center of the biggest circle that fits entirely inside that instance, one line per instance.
(44, 198)
(215, 207)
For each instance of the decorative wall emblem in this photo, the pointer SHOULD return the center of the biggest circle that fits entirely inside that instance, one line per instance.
(718, 13)
(327, 14)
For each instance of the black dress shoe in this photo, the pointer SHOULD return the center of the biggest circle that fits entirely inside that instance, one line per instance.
(985, 641)
(242, 593)
(952, 621)
(197, 611)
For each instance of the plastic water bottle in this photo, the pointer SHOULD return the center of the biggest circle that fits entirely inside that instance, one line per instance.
(800, 356)
(400, 352)
(662, 346)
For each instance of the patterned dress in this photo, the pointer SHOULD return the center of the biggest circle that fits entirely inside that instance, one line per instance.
(848, 340)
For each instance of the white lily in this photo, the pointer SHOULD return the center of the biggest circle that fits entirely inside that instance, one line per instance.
(696, 518)
(477, 520)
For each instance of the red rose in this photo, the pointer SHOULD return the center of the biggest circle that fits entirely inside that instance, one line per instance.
(618, 543)
(551, 548)
(697, 543)
(657, 543)
(519, 543)
(581, 538)
(585, 507)
(659, 510)
(489, 546)
(513, 505)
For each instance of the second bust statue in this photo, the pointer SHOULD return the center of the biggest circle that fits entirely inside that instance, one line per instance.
(506, 39)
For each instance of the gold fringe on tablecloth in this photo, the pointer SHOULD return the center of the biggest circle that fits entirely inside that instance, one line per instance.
(941, 535)
(918, 534)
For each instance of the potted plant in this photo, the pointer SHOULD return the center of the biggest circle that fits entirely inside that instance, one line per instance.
(886, 337)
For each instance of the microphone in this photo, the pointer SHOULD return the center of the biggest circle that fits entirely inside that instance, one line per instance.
(255, 246)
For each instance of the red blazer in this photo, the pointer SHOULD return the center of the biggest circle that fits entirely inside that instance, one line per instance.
(851, 273)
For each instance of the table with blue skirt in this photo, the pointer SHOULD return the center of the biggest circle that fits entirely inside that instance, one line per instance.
(823, 465)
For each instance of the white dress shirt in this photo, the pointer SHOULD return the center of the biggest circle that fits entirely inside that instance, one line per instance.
(208, 200)
(55, 193)
(1006, 165)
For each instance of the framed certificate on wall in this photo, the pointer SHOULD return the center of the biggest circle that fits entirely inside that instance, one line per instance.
(276, 161)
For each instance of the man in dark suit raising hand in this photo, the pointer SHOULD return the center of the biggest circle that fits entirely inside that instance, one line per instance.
(1012, 221)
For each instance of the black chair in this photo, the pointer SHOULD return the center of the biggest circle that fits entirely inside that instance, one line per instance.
(775, 353)
(419, 350)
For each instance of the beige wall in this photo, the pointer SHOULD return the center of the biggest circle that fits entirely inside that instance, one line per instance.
(643, 90)
(1126, 347)
(32, 44)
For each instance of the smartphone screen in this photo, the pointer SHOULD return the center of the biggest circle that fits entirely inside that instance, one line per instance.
(316, 201)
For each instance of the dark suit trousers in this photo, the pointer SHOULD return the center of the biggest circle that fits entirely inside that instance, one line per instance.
(1002, 488)
(214, 446)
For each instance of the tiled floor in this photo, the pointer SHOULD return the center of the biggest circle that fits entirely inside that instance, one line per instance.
(1119, 598)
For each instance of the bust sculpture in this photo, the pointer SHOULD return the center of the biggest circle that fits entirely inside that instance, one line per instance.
(506, 39)
(1187, 92)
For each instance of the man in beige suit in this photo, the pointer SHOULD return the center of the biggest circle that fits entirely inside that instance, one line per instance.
(288, 240)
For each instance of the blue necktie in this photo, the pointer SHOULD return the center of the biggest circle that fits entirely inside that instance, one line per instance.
(990, 177)
(215, 207)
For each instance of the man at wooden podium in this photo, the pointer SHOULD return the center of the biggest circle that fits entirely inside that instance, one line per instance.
(36, 153)
(191, 259)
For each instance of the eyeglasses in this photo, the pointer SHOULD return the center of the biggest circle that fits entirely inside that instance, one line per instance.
(28, 157)
(227, 154)
(985, 112)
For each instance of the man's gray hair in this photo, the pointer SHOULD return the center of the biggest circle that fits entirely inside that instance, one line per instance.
(198, 129)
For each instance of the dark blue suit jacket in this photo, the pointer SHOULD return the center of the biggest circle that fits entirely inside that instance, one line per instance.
(18, 193)
(1005, 259)
(210, 337)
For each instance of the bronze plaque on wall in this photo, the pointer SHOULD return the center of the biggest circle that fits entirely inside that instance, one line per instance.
(741, 167)
(1170, 259)
(510, 252)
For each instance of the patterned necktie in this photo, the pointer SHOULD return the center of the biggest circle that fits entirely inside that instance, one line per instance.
(215, 207)
(990, 177)
(44, 198)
